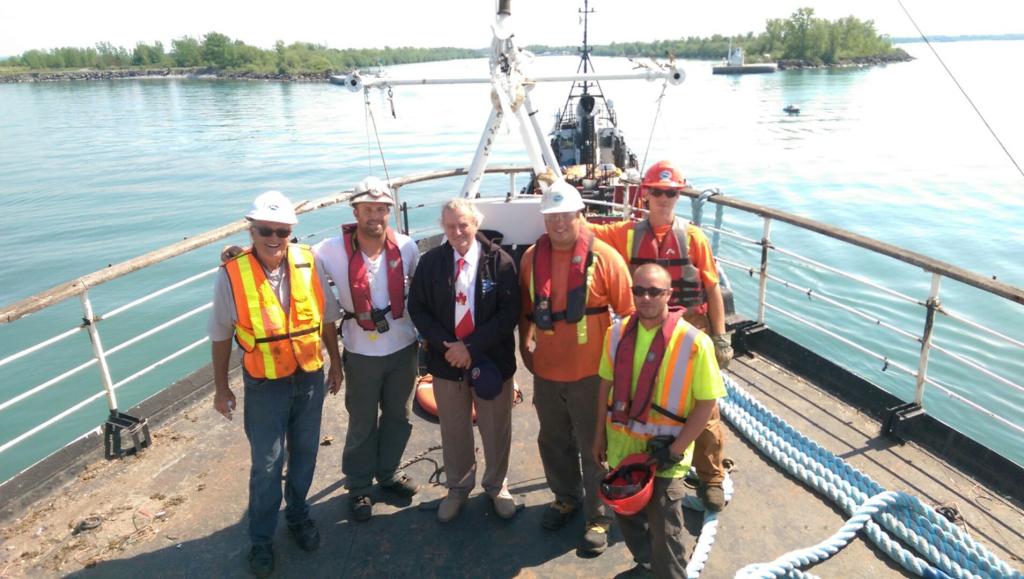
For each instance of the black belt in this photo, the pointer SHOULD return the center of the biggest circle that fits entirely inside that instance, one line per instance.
(350, 316)
(559, 316)
(286, 336)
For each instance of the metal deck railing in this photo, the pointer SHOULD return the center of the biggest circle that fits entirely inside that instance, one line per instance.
(933, 309)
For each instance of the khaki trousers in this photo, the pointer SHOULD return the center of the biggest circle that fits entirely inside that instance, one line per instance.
(708, 448)
(567, 412)
(655, 534)
(455, 401)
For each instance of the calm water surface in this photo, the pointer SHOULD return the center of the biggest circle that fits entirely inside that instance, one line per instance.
(93, 173)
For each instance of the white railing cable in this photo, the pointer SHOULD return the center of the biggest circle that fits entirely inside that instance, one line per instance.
(159, 328)
(847, 341)
(958, 398)
(53, 420)
(163, 361)
(954, 316)
(856, 278)
(731, 233)
(92, 361)
(157, 293)
(812, 294)
(967, 361)
(48, 383)
(41, 345)
(95, 397)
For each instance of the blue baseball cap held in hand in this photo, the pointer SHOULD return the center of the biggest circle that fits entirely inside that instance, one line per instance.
(485, 378)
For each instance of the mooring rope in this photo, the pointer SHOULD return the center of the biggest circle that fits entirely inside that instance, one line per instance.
(947, 550)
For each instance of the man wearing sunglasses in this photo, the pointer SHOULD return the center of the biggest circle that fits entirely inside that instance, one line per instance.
(659, 385)
(684, 251)
(371, 265)
(272, 299)
(569, 280)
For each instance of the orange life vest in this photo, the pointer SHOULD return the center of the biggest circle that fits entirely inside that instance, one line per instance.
(276, 343)
(673, 253)
(580, 272)
(359, 281)
(668, 396)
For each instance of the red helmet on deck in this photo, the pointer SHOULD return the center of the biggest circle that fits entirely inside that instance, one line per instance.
(628, 488)
(663, 175)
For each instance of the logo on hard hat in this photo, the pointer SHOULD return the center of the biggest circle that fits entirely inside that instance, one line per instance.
(665, 175)
(272, 206)
(557, 198)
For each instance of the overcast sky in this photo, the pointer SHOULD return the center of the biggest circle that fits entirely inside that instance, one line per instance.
(375, 23)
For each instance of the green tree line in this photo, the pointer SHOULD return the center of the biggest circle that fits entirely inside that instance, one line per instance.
(218, 51)
(800, 37)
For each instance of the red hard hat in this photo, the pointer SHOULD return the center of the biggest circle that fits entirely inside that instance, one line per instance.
(628, 488)
(663, 175)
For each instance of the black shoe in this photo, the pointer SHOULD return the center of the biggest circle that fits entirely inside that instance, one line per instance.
(595, 540)
(640, 571)
(361, 506)
(557, 515)
(261, 560)
(402, 486)
(306, 535)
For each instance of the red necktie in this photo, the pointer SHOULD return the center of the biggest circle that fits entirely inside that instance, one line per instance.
(463, 314)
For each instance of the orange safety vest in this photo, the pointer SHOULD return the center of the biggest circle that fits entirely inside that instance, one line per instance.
(359, 282)
(580, 272)
(277, 344)
(673, 254)
(668, 397)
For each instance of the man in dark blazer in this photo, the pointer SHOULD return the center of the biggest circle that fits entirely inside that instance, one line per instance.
(465, 302)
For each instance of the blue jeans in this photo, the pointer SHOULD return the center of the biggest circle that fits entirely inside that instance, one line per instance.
(286, 409)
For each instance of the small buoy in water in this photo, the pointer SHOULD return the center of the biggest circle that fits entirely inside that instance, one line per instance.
(792, 109)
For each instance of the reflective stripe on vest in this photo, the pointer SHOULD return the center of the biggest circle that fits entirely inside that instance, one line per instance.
(576, 299)
(358, 279)
(673, 254)
(276, 344)
(671, 390)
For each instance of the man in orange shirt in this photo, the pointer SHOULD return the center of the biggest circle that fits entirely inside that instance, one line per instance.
(569, 280)
(660, 239)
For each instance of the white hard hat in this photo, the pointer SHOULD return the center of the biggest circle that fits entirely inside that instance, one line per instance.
(371, 190)
(561, 197)
(272, 206)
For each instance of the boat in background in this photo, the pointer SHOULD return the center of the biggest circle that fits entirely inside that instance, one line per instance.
(735, 64)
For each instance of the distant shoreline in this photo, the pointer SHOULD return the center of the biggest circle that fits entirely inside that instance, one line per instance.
(214, 74)
(157, 73)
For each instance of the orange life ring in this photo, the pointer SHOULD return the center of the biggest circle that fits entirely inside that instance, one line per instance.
(425, 396)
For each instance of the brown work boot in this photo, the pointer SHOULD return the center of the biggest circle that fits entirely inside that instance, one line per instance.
(557, 515)
(595, 540)
(713, 497)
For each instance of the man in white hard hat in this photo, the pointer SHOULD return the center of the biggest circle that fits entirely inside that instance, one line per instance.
(371, 265)
(282, 367)
(569, 281)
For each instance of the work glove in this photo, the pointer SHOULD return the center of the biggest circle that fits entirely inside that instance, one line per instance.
(723, 350)
(659, 451)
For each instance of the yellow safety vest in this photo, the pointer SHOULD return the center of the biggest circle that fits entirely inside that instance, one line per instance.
(672, 387)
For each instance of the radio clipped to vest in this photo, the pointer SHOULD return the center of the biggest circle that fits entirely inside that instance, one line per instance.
(380, 320)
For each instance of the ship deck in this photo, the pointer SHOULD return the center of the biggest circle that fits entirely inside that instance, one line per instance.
(178, 510)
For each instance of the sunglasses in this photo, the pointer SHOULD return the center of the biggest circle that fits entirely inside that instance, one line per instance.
(265, 231)
(651, 292)
(670, 193)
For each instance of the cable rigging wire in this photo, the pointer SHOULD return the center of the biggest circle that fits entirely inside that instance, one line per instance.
(962, 91)
(369, 146)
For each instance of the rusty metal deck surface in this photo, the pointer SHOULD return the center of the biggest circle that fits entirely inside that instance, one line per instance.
(178, 511)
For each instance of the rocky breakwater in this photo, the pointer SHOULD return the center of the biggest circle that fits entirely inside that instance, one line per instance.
(899, 55)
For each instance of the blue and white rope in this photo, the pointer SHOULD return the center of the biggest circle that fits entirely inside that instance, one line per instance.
(947, 550)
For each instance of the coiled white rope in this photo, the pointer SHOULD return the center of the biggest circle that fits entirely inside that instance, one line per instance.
(947, 550)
